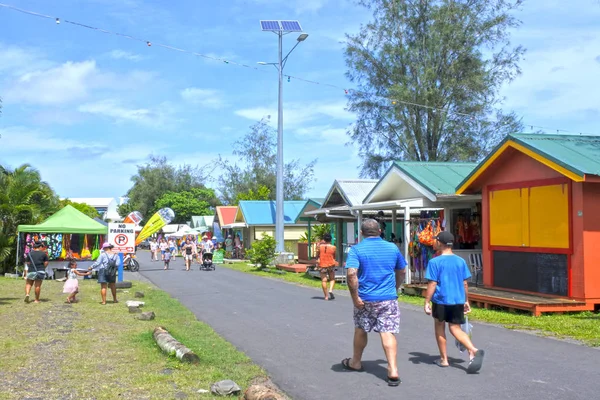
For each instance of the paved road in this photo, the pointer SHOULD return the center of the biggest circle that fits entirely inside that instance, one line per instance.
(301, 339)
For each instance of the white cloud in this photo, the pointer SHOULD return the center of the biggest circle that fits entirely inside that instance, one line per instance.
(556, 80)
(114, 109)
(125, 55)
(298, 114)
(208, 98)
(58, 85)
(325, 134)
(21, 141)
(19, 60)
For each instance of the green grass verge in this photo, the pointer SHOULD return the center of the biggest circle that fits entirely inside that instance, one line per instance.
(86, 350)
(582, 326)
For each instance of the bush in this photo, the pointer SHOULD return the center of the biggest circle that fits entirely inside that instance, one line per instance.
(262, 252)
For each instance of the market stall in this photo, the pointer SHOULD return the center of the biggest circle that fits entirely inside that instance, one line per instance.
(540, 213)
(69, 235)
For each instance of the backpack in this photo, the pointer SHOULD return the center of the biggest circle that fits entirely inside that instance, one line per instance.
(112, 267)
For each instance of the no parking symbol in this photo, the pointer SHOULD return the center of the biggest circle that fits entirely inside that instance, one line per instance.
(122, 237)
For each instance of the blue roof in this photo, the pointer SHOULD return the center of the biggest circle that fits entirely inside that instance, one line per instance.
(262, 212)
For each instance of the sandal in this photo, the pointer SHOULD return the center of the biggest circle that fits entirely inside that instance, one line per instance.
(476, 362)
(346, 365)
(393, 381)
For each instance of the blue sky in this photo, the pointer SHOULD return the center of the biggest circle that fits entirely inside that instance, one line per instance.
(86, 107)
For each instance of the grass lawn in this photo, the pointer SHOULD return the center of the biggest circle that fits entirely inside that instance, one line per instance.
(55, 350)
(583, 326)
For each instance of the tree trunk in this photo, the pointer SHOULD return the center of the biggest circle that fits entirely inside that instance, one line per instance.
(170, 345)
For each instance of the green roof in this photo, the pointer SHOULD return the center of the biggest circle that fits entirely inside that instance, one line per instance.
(436, 177)
(578, 154)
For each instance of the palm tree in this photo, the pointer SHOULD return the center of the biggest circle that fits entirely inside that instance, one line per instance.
(24, 199)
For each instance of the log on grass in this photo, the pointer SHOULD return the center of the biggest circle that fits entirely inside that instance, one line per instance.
(170, 345)
(261, 392)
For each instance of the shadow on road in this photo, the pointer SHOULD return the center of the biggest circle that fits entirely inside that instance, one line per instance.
(376, 368)
(424, 358)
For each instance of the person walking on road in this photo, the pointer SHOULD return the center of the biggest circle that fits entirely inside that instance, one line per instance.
(327, 264)
(188, 250)
(447, 291)
(375, 273)
(38, 261)
(153, 250)
(104, 279)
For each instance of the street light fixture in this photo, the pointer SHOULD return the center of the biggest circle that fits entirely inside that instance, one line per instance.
(281, 28)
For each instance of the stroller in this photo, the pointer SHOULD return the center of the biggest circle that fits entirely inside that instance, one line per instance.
(207, 262)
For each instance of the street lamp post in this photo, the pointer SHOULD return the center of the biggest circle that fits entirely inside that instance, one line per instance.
(279, 215)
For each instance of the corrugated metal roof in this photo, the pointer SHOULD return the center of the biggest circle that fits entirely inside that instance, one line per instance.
(575, 153)
(579, 154)
(263, 212)
(226, 214)
(352, 191)
(436, 177)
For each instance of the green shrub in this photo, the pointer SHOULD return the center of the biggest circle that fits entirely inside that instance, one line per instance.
(262, 252)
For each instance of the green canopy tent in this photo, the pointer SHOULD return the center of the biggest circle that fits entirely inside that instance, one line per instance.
(67, 220)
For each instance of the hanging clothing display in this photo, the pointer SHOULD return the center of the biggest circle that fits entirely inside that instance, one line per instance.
(467, 230)
(423, 230)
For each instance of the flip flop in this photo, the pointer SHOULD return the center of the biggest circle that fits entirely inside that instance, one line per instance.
(476, 363)
(393, 381)
(438, 362)
(346, 365)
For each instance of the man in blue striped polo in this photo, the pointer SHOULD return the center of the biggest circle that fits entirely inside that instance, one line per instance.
(375, 273)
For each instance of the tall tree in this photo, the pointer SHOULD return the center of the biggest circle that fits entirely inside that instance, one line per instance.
(452, 57)
(261, 193)
(257, 152)
(156, 178)
(24, 199)
(189, 203)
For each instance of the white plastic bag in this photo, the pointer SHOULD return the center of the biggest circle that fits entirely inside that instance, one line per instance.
(468, 329)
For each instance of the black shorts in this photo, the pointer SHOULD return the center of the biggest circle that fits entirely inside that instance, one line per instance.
(450, 313)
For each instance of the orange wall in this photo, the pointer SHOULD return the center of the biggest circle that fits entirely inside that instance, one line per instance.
(591, 238)
(511, 167)
(514, 166)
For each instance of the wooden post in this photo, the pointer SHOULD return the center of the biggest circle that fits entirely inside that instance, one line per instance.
(309, 242)
(407, 238)
(359, 221)
(394, 224)
(170, 345)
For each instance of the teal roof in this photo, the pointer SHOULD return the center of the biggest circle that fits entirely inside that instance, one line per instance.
(576, 153)
(263, 212)
(197, 221)
(436, 177)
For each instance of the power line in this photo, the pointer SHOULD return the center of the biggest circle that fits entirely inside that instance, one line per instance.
(347, 91)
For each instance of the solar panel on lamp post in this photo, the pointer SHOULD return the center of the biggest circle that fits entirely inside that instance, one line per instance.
(281, 28)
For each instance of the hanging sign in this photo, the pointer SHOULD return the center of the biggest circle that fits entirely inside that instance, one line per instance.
(122, 236)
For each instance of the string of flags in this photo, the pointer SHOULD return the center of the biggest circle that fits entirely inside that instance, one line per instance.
(347, 91)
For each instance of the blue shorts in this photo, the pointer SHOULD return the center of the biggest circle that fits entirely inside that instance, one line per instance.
(36, 276)
(103, 278)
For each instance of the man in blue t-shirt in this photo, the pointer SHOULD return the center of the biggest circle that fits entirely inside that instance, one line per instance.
(375, 273)
(447, 291)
